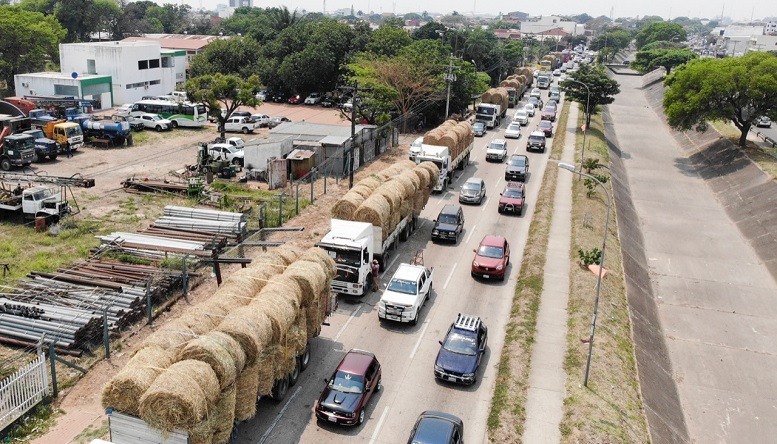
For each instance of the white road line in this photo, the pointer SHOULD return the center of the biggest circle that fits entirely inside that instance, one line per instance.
(342, 329)
(485, 202)
(450, 276)
(374, 437)
(391, 264)
(421, 224)
(421, 336)
(278, 417)
(469, 236)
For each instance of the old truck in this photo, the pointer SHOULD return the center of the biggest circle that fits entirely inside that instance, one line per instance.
(37, 201)
(44, 147)
(16, 149)
(441, 156)
(354, 245)
(63, 132)
(490, 113)
(115, 132)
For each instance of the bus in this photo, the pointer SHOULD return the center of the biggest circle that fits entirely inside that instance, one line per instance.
(181, 114)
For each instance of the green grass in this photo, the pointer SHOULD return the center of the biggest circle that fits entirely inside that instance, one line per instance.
(33, 425)
(261, 204)
(92, 432)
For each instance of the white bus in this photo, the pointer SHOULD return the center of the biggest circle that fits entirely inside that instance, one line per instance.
(181, 114)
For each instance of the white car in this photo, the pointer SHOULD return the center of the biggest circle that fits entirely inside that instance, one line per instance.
(153, 121)
(415, 147)
(763, 122)
(536, 92)
(406, 293)
(497, 150)
(521, 116)
(513, 131)
(260, 120)
(530, 109)
(237, 142)
(313, 99)
(239, 124)
(225, 151)
(262, 95)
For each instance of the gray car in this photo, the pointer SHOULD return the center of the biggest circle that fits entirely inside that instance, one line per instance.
(479, 128)
(473, 191)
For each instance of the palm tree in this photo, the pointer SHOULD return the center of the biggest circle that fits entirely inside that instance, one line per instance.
(281, 18)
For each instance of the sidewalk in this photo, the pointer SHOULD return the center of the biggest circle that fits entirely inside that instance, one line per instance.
(545, 397)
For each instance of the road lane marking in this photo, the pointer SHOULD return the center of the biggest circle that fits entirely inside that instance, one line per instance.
(421, 336)
(374, 437)
(450, 276)
(342, 329)
(469, 236)
(484, 205)
(391, 264)
(421, 224)
(278, 417)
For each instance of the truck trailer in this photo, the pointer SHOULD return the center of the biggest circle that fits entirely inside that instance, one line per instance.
(441, 156)
(490, 113)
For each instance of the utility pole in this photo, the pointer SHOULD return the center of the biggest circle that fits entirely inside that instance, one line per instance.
(450, 77)
(354, 103)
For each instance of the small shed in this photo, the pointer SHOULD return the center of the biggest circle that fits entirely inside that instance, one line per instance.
(301, 162)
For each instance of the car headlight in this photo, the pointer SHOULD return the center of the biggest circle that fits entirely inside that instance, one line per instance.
(437, 368)
(498, 267)
(468, 375)
(435, 231)
(475, 264)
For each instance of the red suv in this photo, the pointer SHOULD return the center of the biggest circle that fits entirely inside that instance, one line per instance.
(351, 386)
(491, 258)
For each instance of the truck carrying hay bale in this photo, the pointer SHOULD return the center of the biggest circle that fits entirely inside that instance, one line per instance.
(222, 418)
(374, 210)
(345, 206)
(123, 391)
(247, 385)
(250, 327)
(171, 337)
(217, 350)
(180, 397)
(279, 309)
(310, 277)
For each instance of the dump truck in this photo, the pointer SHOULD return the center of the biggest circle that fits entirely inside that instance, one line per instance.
(354, 245)
(37, 201)
(16, 150)
(63, 132)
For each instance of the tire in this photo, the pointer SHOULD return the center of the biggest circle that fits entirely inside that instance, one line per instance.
(360, 421)
(158, 128)
(304, 358)
(35, 158)
(53, 157)
(174, 124)
(5, 165)
(294, 375)
(414, 321)
(236, 162)
(280, 389)
(244, 130)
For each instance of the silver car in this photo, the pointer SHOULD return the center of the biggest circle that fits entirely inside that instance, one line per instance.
(473, 191)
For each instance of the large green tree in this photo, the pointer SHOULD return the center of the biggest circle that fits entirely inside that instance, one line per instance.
(220, 92)
(736, 89)
(388, 40)
(235, 55)
(30, 40)
(590, 79)
(646, 61)
(659, 31)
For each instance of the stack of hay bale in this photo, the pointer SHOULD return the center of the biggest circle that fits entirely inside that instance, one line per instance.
(527, 74)
(384, 199)
(457, 136)
(204, 370)
(497, 96)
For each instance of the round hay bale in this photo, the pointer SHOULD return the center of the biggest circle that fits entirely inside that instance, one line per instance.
(180, 397)
(405, 164)
(279, 310)
(319, 255)
(298, 334)
(283, 359)
(345, 206)
(213, 352)
(433, 173)
(410, 181)
(250, 327)
(323, 307)
(243, 279)
(407, 207)
(433, 137)
(222, 418)
(310, 276)
(311, 318)
(427, 193)
(123, 391)
(172, 336)
(265, 371)
(374, 210)
(247, 386)
(285, 285)
(372, 181)
(201, 433)
(418, 202)
(391, 195)
(423, 177)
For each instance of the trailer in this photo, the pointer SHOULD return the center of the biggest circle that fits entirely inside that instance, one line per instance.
(441, 156)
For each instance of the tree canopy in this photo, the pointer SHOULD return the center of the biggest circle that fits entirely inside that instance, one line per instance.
(659, 31)
(222, 92)
(648, 60)
(737, 89)
(602, 89)
(236, 55)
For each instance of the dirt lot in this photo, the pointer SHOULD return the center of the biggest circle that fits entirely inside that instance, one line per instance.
(163, 153)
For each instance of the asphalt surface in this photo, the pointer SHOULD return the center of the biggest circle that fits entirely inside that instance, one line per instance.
(407, 352)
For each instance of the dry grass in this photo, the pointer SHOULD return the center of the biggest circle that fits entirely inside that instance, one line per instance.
(763, 156)
(610, 408)
(508, 406)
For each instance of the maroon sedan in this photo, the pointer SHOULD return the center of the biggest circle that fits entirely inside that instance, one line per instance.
(546, 127)
(491, 258)
(351, 386)
(511, 200)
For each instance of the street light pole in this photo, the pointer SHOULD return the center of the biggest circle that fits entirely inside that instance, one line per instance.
(571, 168)
(450, 78)
(587, 119)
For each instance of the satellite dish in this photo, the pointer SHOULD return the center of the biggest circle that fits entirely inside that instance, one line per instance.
(74, 75)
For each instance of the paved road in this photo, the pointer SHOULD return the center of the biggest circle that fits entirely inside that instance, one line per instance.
(716, 300)
(407, 352)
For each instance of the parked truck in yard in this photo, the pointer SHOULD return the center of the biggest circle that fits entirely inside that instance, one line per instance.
(44, 147)
(354, 245)
(17, 150)
(116, 132)
(36, 201)
(63, 132)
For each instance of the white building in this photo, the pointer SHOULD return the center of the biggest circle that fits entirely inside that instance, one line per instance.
(538, 25)
(87, 86)
(136, 69)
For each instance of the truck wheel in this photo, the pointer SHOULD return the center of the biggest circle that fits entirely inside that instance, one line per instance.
(5, 164)
(279, 389)
(403, 235)
(53, 156)
(304, 358)
(245, 130)
(35, 158)
(294, 375)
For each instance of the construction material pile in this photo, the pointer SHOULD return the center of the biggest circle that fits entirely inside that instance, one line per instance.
(384, 199)
(205, 369)
(497, 96)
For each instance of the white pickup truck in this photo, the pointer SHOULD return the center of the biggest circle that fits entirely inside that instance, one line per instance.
(406, 293)
(239, 124)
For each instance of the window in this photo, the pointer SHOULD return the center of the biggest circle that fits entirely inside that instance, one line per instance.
(154, 82)
(90, 68)
(142, 64)
(168, 62)
(153, 63)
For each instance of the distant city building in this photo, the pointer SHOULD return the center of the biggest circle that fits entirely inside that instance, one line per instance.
(516, 16)
(545, 24)
(770, 28)
(241, 3)
(507, 34)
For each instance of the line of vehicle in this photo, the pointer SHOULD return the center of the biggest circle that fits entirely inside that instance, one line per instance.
(420, 336)
(342, 329)
(450, 275)
(279, 415)
(374, 437)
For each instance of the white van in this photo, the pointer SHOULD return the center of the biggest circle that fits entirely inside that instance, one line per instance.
(179, 96)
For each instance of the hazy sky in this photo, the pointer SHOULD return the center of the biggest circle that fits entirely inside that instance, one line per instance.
(738, 10)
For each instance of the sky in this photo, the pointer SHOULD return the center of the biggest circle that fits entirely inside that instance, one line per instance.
(738, 10)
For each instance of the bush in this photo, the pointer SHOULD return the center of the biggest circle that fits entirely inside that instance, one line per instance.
(592, 256)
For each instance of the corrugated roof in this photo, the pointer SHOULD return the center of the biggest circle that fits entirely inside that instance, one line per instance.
(176, 41)
(300, 155)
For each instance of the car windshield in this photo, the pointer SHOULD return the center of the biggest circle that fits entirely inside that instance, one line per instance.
(346, 257)
(447, 219)
(496, 146)
(517, 161)
(512, 192)
(514, 127)
(478, 125)
(470, 187)
(460, 344)
(536, 138)
(545, 124)
(490, 251)
(529, 106)
(402, 286)
(347, 382)
(521, 114)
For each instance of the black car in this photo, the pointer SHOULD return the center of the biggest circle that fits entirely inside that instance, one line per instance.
(434, 427)
(448, 224)
(462, 350)
(517, 168)
(328, 102)
(277, 97)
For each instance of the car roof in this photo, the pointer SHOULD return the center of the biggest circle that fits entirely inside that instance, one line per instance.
(537, 133)
(450, 209)
(356, 362)
(408, 272)
(475, 180)
(435, 427)
(493, 240)
(517, 185)
(499, 142)
(545, 123)
(520, 155)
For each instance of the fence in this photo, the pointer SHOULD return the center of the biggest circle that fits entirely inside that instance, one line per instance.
(23, 390)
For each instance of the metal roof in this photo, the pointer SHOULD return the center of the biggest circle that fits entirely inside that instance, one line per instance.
(300, 155)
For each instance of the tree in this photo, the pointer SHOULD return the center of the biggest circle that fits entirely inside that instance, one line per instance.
(281, 18)
(222, 92)
(736, 89)
(659, 31)
(430, 30)
(236, 55)
(30, 39)
(602, 89)
(646, 61)
(388, 40)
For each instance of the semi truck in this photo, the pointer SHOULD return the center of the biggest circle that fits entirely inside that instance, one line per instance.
(44, 147)
(116, 132)
(63, 132)
(36, 201)
(490, 113)
(15, 149)
(447, 163)
(354, 245)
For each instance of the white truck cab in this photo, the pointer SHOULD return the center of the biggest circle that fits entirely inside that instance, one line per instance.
(406, 293)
